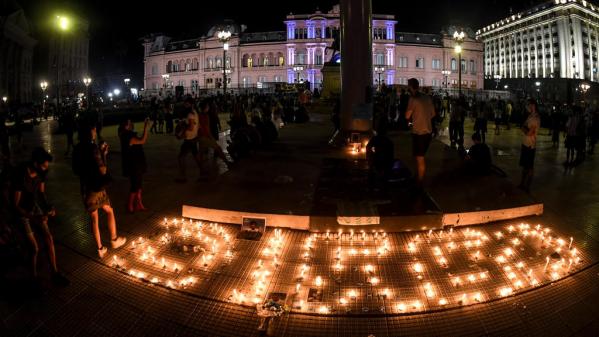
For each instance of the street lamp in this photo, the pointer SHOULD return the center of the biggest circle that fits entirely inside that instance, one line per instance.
(127, 80)
(298, 69)
(379, 70)
(584, 87)
(497, 80)
(4, 99)
(165, 77)
(459, 38)
(116, 92)
(538, 85)
(446, 73)
(63, 23)
(87, 81)
(224, 36)
(44, 86)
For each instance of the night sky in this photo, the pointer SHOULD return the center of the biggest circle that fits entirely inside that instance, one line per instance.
(116, 26)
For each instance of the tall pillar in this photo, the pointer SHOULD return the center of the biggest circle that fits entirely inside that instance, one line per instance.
(356, 66)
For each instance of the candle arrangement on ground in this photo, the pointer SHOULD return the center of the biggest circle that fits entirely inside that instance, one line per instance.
(349, 271)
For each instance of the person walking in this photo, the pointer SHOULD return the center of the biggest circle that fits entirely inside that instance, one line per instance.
(530, 129)
(68, 125)
(420, 111)
(89, 163)
(189, 134)
(134, 162)
(480, 123)
(33, 209)
(571, 137)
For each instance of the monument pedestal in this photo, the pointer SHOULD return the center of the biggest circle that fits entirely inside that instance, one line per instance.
(331, 81)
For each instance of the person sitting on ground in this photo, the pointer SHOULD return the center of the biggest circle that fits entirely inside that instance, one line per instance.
(478, 159)
(33, 210)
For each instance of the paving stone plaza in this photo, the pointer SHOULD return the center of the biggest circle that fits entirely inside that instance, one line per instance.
(180, 276)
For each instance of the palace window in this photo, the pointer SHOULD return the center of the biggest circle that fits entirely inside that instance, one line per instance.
(420, 63)
(436, 64)
(454, 65)
(154, 69)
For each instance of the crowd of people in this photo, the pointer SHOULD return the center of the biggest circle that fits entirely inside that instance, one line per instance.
(254, 121)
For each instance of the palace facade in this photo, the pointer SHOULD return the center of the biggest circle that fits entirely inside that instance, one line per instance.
(299, 52)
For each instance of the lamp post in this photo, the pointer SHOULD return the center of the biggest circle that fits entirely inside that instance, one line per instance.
(459, 38)
(87, 81)
(446, 73)
(497, 78)
(165, 77)
(538, 85)
(379, 70)
(63, 23)
(584, 87)
(4, 99)
(298, 69)
(224, 36)
(44, 86)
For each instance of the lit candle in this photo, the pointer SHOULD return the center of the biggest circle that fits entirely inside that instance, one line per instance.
(297, 288)
(417, 267)
(546, 264)
(352, 294)
(571, 240)
(318, 281)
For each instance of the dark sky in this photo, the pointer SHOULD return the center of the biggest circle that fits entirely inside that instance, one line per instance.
(115, 26)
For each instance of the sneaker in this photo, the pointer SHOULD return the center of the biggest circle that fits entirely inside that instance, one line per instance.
(102, 252)
(58, 279)
(118, 242)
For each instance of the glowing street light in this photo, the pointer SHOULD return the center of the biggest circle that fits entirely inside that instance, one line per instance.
(127, 80)
(44, 86)
(116, 92)
(298, 69)
(379, 70)
(459, 38)
(63, 22)
(4, 99)
(224, 36)
(446, 73)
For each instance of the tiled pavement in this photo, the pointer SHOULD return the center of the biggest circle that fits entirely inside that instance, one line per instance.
(103, 302)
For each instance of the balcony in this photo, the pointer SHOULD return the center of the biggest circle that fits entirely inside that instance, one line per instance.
(218, 69)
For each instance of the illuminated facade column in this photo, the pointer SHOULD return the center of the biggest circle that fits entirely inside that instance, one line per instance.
(543, 41)
(356, 66)
(551, 51)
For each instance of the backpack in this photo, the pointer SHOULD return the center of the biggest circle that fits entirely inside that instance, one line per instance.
(180, 129)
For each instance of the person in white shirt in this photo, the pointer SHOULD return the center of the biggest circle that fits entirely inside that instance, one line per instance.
(530, 129)
(421, 112)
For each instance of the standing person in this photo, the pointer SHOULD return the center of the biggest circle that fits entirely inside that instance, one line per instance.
(214, 120)
(498, 115)
(189, 136)
(480, 123)
(594, 132)
(508, 114)
(205, 136)
(571, 137)
(4, 136)
(68, 125)
(530, 129)
(556, 127)
(89, 163)
(421, 112)
(134, 162)
(169, 115)
(33, 209)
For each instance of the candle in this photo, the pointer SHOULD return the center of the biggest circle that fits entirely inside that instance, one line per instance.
(318, 281)
(571, 240)
(546, 264)
(297, 288)
(352, 294)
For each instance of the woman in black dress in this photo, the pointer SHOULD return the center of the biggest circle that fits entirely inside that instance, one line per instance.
(134, 162)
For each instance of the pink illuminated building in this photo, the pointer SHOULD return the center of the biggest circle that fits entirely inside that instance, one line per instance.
(299, 53)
